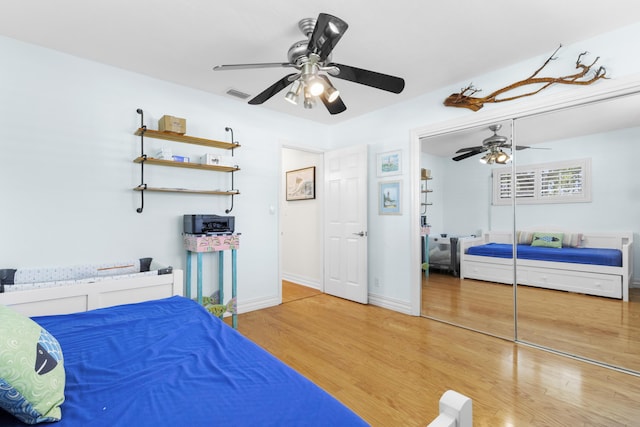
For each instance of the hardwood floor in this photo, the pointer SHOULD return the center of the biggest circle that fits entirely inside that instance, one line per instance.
(473, 304)
(602, 329)
(292, 291)
(392, 368)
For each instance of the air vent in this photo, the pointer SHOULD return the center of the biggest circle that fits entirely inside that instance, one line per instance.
(238, 94)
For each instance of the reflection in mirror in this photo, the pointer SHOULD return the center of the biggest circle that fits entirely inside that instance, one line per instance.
(456, 208)
(572, 302)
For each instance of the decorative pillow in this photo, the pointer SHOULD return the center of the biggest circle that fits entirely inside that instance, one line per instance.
(32, 373)
(572, 240)
(524, 237)
(549, 240)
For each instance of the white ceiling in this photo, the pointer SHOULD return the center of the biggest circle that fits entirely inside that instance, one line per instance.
(429, 44)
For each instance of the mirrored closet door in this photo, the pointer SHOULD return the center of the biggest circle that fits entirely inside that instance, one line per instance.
(574, 173)
(456, 204)
(585, 193)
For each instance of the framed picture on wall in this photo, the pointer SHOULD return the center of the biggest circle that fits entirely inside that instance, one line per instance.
(301, 184)
(389, 198)
(389, 163)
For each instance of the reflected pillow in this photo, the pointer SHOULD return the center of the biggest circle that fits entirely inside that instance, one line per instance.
(548, 240)
(32, 374)
(524, 237)
(572, 240)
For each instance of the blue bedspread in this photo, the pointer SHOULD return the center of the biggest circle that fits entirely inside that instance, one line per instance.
(595, 256)
(170, 363)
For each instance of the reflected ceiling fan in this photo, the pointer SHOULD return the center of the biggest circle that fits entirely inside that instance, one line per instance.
(311, 57)
(493, 146)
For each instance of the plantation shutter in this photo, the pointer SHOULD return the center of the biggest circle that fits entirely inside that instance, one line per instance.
(559, 182)
(525, 185)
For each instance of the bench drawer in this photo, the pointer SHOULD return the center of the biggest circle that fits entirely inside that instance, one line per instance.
(489, 272)
(605, 285)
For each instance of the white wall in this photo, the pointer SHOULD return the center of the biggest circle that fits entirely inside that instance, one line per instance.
(66, 170)
(301, 224)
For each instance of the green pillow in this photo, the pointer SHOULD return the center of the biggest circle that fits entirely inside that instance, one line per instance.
(549, 240)
(32, 373)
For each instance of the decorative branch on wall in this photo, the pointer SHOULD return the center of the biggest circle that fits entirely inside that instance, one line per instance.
(465, 98)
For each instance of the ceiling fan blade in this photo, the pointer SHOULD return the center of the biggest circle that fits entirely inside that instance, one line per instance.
(369, 78)
(524, 147)
(466, 155)
(335, 107)
(272, 90)
(328, 31)
(462, 150)
(249, 66)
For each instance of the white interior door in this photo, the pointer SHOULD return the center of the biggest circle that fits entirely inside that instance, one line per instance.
(345, 241)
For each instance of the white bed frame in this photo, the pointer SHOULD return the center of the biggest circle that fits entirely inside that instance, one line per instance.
(79, 297)
(455, 411)
(606, 281)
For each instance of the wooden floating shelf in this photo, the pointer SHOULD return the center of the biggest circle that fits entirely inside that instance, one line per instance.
(172, 163)
(171, 136)
(185, 190)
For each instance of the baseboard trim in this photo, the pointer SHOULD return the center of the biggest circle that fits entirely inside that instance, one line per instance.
(258, 304)
(390, 303)
(301, 280)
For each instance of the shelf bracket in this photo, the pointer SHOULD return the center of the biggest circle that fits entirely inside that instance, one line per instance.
(231, 208)
(228, 129)
(142, 185)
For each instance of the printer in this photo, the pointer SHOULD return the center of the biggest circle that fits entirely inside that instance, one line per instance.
(208, 224)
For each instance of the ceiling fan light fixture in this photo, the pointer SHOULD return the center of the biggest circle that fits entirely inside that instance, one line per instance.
(315, 86)
(294, 92)
(308, 99)
(332, 93)
(487, 159)
(501, 157)
(308, 104)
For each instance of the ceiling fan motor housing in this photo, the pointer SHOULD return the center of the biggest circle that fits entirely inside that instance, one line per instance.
(297, 52)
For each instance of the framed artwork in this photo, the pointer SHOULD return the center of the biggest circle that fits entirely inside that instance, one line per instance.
(389, 198)
(301, 184)
(389, 163)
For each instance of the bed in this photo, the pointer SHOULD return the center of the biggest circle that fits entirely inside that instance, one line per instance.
(135, 352)
(590, 263)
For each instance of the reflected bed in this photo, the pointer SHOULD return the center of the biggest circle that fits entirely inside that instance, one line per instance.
(595, 264)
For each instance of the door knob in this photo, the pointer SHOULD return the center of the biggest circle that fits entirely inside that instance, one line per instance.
(361, 234)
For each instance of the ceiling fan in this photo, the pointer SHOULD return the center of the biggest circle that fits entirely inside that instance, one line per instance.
(312, 56)
(493, 146)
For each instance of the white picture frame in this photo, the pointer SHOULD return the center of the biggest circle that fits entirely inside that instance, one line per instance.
(389, 163)
(390, 198)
